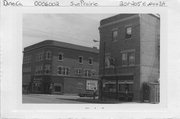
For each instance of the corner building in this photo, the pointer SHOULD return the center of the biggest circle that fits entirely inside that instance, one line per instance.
(58, 68)
(129, 55)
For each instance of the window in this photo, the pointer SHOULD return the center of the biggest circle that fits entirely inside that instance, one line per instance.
(128, 32)
(57, 88)
(47, 68)
(124, 59)
(93, 72)
(128, 57)
(27, 59)
(39, 70)
(90, 61)
(131, 58)
(60, 57)
(40, 56)
(80, 59)
(59, 70)
(63, 70)
(109, 61)
(114, 35)
(87, 73)
(78, 71)
(48, 55)
(125, 88)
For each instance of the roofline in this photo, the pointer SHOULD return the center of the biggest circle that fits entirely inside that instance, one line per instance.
(34, 46)
(117, 21)
(124, 19)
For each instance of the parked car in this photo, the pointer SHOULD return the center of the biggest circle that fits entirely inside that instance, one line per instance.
(87, 94)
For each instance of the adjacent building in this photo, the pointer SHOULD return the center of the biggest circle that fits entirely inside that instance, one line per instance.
(129, 55)
(58, 67)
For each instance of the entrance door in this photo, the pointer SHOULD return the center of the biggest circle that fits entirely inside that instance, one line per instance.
(125, 92)
(57, 88)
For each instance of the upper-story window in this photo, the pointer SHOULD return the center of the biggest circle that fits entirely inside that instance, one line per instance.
(128, 32)
(47, 68)
(41, 56)
(27, 59)
(39, 69)
(63, 70)
(48, 55)
(87, 72)
(78, 71)
(93, 72)
(60, 57)
(114, 35)
(109, 61)
(124, 58)
(90, 61)
(80, 59)
(128, 58)
(131, 58)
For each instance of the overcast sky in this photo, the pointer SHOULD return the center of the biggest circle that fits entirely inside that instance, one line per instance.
(78, 29)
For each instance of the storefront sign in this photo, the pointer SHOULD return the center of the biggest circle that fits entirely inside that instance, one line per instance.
(91, 84)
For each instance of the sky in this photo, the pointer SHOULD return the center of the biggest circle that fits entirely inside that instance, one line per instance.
(78, 29)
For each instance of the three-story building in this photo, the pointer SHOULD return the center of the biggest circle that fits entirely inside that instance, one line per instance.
(129, 55)
(58, 67)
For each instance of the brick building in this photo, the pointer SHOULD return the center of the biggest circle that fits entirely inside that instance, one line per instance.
(58, 67)
(129, 55)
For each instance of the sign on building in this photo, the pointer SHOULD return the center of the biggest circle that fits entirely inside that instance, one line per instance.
(91, 85)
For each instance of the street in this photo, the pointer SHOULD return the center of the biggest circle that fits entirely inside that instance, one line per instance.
(65, 99)
(46, 98)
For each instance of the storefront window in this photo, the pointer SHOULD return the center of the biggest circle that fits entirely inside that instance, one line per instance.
(125, 88)
(110, 87)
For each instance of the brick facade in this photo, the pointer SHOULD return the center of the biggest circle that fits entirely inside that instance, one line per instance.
(51, 67)
(133, 47)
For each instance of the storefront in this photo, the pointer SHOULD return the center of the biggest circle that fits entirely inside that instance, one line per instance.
(117, 87)
(41, 84)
